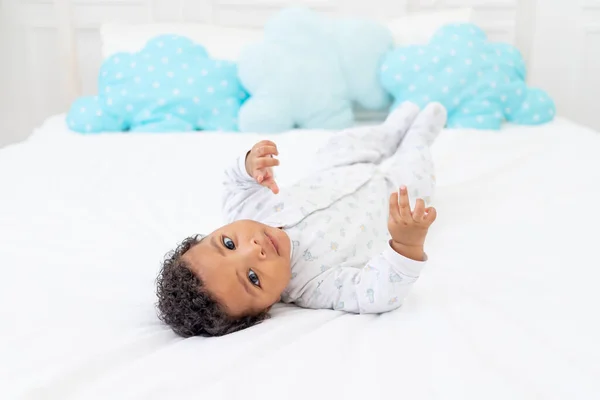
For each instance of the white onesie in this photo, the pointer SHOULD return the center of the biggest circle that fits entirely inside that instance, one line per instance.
(336, 218)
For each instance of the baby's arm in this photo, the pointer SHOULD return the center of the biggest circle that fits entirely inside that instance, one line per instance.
(249, 181)
(382, 284)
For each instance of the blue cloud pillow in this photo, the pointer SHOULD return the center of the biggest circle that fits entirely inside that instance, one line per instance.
(170, 85)
(309, 69)
(479, 82)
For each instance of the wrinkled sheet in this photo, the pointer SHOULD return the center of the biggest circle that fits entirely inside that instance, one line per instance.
(506, 309)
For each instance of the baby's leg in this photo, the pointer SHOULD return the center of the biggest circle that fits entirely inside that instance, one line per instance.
(368, 144)
(412, 164)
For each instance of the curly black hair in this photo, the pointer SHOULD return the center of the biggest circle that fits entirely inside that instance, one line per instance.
(186, 306)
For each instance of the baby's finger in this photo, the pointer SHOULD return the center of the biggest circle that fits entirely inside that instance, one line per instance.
(266, 162)
(264, 151)
(419, 211)
(273, 186)
(265, 143)
(405, 213)
(431, 215)
(270, 183)
(394, 210)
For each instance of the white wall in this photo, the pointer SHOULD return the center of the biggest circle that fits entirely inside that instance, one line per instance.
(566, 57)
(38, 84)
(12, 123)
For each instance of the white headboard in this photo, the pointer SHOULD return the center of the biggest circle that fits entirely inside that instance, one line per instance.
(63, 42)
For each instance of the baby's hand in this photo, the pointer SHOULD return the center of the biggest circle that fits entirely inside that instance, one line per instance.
(260, 163)
(409, 228)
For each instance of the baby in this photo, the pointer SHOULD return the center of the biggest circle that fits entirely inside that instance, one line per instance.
(332, 240)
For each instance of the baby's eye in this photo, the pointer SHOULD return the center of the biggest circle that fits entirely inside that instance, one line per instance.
(228, 243)
(253, 278)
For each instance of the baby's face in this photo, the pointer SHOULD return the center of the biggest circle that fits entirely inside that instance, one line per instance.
(244, 265)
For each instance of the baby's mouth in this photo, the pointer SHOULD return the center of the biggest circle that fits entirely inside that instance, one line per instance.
(273, 243)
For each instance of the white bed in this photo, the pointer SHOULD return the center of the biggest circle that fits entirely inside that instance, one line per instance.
(507, 308)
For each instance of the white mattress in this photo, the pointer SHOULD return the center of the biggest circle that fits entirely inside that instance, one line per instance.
(507, 308)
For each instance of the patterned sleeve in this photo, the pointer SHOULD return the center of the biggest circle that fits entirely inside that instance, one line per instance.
(241, 192)
(380, 286)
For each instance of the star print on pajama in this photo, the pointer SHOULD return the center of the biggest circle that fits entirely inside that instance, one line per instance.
(337, 217)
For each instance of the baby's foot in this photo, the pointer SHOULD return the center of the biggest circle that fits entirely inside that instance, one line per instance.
(402, 117)
(427, 125)
(415, 167)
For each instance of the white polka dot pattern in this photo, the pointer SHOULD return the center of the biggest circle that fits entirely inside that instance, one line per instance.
(170, 85)
(480, 83)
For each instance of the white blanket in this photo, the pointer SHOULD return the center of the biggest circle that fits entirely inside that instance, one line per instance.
(507, 308)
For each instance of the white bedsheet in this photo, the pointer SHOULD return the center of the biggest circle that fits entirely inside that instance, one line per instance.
(507, 308)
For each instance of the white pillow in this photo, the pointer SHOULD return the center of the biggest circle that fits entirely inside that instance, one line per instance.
(417, 28)
(221, 42)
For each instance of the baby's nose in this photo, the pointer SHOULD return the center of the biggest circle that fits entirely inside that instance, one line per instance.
(259, 249)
